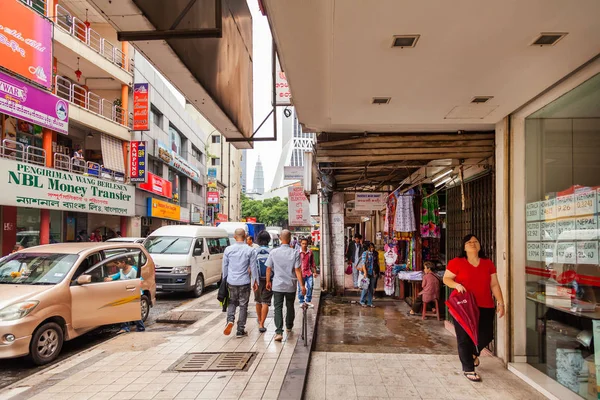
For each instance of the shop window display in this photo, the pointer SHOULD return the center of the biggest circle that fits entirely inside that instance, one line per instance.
(562, 211)
(28, 226)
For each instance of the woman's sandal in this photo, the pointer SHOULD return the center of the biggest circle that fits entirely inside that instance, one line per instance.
(476, 361)
(472, 376)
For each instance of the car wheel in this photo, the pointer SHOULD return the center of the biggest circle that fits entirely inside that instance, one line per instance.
(145, 305)
(199, 288)
(46, 343)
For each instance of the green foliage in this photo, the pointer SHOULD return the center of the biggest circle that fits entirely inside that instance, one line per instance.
(272, 211)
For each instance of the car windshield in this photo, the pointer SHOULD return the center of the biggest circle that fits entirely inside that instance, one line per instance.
(168, 245)
(36, 268)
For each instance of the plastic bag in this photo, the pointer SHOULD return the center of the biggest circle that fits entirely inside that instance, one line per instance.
(363, 281)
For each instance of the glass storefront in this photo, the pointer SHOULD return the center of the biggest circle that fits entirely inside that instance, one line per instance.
(562, 153)
(28, 226)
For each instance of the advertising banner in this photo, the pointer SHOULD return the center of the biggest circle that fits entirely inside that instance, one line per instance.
(212, 173)
(298, 207)
(157, 185)
(212, 197)
(33, 105)
(26, 43)
(370, 201)
(137, 160)
(184, 215)
(283, 96)
(293, 173)
(177, 162)
(141, 107)
(162, 209)
(222, 218)
(39, 187)
(251, 220)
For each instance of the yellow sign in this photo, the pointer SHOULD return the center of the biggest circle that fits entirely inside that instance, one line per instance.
(162, 209)
(212, 184)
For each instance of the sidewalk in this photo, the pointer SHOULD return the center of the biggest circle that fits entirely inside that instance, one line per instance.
(136, 365)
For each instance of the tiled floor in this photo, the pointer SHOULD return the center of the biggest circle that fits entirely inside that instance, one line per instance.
(136, 365)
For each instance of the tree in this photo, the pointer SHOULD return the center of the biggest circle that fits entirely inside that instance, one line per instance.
(273, 211)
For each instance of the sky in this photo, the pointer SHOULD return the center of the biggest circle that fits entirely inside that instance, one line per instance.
(269, 151)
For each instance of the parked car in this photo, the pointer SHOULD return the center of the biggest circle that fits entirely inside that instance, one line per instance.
(127, 240)
(53, 293)
(187, 257)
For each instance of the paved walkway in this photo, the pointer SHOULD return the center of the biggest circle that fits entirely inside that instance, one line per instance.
(137, 365)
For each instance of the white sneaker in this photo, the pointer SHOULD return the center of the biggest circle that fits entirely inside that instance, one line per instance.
(311, 305)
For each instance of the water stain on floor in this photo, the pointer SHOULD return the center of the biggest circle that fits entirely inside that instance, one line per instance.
(346, 327)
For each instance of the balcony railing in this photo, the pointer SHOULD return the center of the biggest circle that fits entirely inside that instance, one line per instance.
(82, 97)
(35, 155)
(80, 30)
(37, 5)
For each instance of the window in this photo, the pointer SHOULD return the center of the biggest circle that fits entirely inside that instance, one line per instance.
(175, 139)
(119, 267)
(216, 139)
(36, 268)
(168, 245)
(217, 245)
(197, 189)
(155, 116)
(156, 168)
(224, 242)
(198, 247)
(215, 162)
(197, 154)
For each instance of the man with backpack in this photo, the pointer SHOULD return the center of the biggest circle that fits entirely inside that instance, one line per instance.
(262, 296)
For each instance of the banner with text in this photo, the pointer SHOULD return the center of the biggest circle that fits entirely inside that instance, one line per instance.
(137, 159)
(141, 107)
(162, 209)
(39, 187)
(177, 162)
(298, 207)
(370, 201)
(158, 185)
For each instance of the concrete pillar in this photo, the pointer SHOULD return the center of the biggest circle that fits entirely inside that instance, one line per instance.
(47, 145)
(44, 226)
(124, 223)
(124, 103)
(9, 228)
(337, 242)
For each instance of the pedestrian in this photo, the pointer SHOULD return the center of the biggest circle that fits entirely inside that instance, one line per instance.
(430, 290)
(284, 262)
(367, 266)
(353, 255)
(262, 296)
(127, 270)
(377, 271)
(309, 271)
(475, 273)
(17, 247)
(78, 154)
(250, 241)
(293, 243)
(241, 270)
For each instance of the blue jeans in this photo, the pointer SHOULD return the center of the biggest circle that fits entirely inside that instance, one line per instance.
(139, 325)
(308, 283)
(367, 294)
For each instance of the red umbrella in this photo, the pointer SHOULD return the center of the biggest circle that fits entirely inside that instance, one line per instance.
(464, 310)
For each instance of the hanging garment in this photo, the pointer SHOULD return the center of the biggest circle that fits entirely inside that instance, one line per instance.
(430, 216)
(391, 214)
(390, 256)
(404, 220)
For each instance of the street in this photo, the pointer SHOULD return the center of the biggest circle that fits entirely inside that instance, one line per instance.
(13, 370)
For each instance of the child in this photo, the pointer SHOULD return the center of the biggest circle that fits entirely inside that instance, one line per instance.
(431, 289)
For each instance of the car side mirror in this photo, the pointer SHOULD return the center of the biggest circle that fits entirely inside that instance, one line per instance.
(84, 279)
(197, 252)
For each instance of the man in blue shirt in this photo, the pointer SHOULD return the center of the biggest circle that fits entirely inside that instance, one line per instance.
(241, 270)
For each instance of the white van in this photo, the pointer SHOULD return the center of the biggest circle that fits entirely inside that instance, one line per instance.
(230, 228)
(187, 257)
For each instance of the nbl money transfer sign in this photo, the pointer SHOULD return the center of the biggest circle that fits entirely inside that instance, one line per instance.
(26, 42)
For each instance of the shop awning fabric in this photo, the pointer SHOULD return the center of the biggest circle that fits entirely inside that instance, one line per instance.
(112, 153)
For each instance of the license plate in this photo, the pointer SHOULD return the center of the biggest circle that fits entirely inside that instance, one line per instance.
(158, 287)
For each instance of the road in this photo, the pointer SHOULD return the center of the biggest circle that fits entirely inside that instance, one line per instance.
(13, 370)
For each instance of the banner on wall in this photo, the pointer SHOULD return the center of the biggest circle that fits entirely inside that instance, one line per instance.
(141, 107)
(212, 173)
(370, 201)
(177, 162)
(40, 187)
(212, 197)
(26, 43)
(162, 209)
(137, 160)
(33, 105)
(293, 173)
(298, 207)
(157, 185)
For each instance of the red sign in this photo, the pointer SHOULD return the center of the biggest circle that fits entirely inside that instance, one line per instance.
(212, 197)
(137, 161)
(157, 185)
(251, 219)
(26, 42)
(222, 218)
(141, 107)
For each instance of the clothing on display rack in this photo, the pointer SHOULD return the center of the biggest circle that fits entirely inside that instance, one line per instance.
(390, 256)
(430, 216)
(404, 220)
(431, 249)
(390, 210)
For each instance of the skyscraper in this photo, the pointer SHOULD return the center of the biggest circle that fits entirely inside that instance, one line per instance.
(244, 167)
(259, 178)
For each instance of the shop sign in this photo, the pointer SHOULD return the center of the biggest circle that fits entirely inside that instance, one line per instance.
(26, 43)
(293, 173)
(212, 184)
(587, 227)
(137, 159)
(141, 107)
(184, 215)
(283, 96)
(565, 206)
(565, 253)
(222, 218)
(533, 251)
(548, 252)
(251, 220)
(39, 187)
(533, 211)
(370, 201)
(565, 229)
(212, 197)
(162, 209)
(33, 105)
(585, 203)
(157, 185)
(548, 209)
(298, 207)
(197, 214)
(212, 173)
(177, 162)
(587, 253)
(533, 231)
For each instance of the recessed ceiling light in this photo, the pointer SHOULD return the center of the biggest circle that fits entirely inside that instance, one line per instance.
(405, 40)
(481, 99)
(548, 39)
(381, 100)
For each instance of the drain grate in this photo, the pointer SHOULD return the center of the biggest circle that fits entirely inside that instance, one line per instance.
(195, 362)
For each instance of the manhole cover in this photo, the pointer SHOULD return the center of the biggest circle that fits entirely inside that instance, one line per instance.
(193, 362)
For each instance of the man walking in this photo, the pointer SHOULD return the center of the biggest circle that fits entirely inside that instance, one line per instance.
(354, 254)
(238, 259)
(284, 262)
(309, 270)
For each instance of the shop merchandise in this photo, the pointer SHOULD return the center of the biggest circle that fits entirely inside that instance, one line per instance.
(391, 255)
(430, 216)
(404, 221)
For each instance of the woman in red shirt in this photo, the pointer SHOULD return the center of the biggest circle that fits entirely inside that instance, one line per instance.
(475, 273)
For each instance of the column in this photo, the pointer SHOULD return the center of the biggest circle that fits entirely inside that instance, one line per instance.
(9, 228)
(337, 242)
(47, 145)
(124, 225)
(44, 226)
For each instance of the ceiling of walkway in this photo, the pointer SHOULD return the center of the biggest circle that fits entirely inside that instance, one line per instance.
(337, 56)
